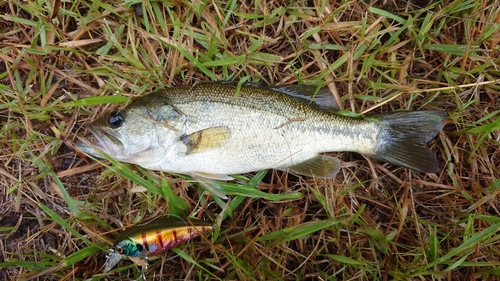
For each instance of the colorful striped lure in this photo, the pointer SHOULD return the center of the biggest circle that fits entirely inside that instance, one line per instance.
(155, 237)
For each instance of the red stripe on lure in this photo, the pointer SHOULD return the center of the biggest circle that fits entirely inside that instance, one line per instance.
(159, 235)
(155, 237)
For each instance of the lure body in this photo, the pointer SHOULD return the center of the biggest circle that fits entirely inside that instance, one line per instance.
(155, 237)
(145, 243)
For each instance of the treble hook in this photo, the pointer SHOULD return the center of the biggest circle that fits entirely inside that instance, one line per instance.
(143, 274)
(143, 271)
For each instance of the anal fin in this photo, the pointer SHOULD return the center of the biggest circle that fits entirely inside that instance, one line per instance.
(320, 166)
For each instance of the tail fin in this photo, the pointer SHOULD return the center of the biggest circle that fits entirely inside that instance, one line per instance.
(403, 141)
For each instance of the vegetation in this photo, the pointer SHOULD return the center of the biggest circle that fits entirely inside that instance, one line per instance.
(63, 63)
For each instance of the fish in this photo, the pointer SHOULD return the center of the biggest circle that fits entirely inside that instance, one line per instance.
(211, 131)
(155, 237)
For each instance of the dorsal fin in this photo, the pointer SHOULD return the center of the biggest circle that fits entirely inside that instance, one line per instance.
(320, 99)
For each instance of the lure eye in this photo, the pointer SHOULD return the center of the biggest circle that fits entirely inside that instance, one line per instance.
(116, 119)
(119, 249)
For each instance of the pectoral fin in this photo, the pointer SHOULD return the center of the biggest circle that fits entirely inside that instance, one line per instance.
(206, 139)
(320, 166)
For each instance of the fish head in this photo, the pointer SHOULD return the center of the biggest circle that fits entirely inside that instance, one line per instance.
(118, 135)
(138, 134)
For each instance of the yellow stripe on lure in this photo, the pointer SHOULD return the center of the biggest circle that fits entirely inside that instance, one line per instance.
(155, 237)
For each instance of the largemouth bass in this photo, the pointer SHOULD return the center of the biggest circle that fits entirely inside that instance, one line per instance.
(213, 130)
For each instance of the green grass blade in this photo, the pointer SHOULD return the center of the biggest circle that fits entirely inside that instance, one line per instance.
(467, 246)
(296, 232)
(62, 222)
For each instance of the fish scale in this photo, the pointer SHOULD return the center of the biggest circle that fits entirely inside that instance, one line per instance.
(257, 145)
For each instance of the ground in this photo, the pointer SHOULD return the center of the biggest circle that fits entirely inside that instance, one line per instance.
(65, 63)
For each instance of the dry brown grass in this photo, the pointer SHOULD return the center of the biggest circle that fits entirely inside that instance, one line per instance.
(373, 222)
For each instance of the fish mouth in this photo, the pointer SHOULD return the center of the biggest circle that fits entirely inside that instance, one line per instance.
(104, 141)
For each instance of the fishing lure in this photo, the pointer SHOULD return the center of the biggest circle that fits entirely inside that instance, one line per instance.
(155, 237)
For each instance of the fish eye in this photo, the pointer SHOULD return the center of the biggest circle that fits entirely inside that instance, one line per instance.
(116, 119)
(119, 249)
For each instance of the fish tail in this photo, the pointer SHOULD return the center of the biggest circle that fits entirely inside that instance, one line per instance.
(404, 135)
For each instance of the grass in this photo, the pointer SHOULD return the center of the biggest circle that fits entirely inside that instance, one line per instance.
(372, 222)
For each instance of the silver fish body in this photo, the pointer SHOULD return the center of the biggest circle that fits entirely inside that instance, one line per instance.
(212, 130)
